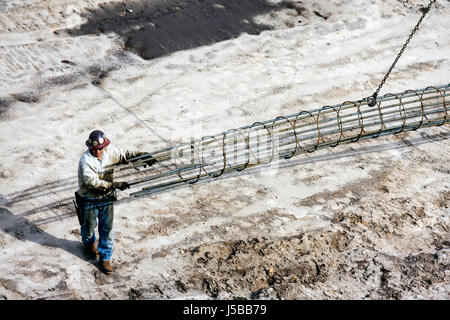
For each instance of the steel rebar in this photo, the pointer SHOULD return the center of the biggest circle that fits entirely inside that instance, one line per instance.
(286, 136)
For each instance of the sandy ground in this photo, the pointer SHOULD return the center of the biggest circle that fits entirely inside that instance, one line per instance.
(368, 220)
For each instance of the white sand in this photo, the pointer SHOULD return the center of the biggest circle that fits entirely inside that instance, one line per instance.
(150, 104)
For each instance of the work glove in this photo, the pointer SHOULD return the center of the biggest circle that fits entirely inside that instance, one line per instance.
(149, 161)
(120, 185)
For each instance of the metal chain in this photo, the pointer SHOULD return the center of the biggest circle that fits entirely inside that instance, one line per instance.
(373, 98)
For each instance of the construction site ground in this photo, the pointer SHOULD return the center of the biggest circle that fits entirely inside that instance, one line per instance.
(365, 220)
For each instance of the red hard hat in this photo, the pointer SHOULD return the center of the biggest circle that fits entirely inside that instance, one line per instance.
(97, 140)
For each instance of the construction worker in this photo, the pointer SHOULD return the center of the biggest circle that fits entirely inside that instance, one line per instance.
(97, 192)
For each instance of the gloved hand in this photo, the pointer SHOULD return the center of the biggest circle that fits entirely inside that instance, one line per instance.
(149, 161)
(120, 185)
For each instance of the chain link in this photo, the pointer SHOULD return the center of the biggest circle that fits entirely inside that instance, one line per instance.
(373, 98)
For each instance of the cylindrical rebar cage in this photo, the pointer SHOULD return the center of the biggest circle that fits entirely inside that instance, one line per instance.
(287, 136)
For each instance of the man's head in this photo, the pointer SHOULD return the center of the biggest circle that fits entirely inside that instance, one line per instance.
(96, 143)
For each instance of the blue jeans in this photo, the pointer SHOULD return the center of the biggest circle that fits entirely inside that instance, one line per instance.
(104, 212)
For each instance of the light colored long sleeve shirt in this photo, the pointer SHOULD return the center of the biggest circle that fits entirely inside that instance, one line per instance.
(95, 176)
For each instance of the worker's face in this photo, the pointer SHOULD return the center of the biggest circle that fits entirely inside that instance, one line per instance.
(97, 153)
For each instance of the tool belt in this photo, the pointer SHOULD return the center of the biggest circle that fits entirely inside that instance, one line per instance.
(80, 201)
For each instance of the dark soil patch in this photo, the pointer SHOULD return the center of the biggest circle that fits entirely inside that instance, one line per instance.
(27, 97)
(5, 104)
(157, 28)
(256, 265)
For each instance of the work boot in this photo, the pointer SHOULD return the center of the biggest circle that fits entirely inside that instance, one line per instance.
(91, 250)
(106, 267)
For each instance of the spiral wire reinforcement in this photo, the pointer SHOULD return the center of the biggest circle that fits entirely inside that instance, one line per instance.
(291, 135)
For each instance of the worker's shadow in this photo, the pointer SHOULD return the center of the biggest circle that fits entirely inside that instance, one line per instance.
(24, 230)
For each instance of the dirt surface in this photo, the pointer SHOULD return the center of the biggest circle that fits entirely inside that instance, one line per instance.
(367, 220)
